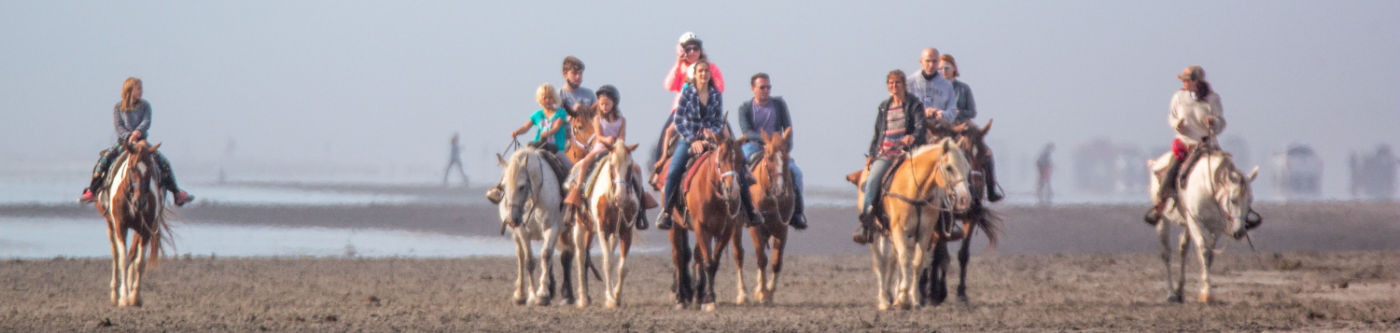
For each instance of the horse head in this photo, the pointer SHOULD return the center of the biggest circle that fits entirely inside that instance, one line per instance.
(1235, 196)
(517, 185)
(620, 162)
(952, 170)
(777, 150)
(729, 160)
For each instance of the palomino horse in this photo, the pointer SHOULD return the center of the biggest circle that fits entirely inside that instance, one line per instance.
(774, 196)
(714, 212)
(931, 180)
(133, 200)
(936, 288)
(530, 208)
(611, 208)
(1215, 202)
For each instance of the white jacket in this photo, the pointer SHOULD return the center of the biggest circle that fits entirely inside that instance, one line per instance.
(1188, 116)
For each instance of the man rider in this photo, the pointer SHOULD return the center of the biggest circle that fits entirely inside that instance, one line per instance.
(767, 114)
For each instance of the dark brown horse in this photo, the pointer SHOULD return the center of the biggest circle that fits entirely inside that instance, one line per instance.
(713, 211)
(134, 201)
(774, 195)
(963, 225)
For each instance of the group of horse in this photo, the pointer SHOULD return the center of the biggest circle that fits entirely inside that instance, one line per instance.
(933, 197)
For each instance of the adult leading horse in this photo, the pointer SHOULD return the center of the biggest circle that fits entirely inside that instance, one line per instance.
(530, 208)
(1216, 201)
(773, 195)
(931, 180)
(713, 211)
(134, 201)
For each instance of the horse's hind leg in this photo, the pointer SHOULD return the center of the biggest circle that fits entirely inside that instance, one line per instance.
(1173, 294)
(1183, 246)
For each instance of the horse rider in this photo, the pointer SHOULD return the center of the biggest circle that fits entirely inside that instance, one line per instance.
(132, 119)
(933, 90)
(767, 114)
(609, 127)
(700, 108)
(551, 126)
(573, 96)
(967, 110)
(899, 125)
(1196, 115)
(690, 50)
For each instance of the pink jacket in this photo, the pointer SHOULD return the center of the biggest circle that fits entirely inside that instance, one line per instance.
(675, 79)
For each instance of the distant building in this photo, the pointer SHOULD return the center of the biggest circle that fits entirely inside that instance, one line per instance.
(1373, 175)
(1299, 173)
(1102, 167)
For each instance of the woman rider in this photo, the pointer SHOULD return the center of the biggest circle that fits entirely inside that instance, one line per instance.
(700, 108)
(967, 109)
(609, 127)
(689, 52)
(1196, 115)
(132, 117)
(899, 124)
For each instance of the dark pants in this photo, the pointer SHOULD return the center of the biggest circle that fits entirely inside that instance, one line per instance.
(108, 156)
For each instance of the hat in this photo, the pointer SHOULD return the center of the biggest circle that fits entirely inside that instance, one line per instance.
(610, 91)
(689, 37)
(1193, 73)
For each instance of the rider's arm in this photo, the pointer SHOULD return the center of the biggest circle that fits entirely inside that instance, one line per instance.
(879, 130)
(915, 123)
(784, 118)
(145, 125)
(746, 121)
(1214, 100)
(950, 106)
(597, 125)
(621, 132)
(971, 110)
(683, 122)
(522, 129)
(554, 126)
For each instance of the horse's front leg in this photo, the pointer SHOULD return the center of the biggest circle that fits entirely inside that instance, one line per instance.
(625, 247)
(779, 244)
(545, 292)
(760, 259)
(1205, 252)
(964, 255)
(742, 296)
(704, 287)
(580, 257)
(523, 276)
(116, 263)
(919, 263)
(1163, 229)
(141, 247)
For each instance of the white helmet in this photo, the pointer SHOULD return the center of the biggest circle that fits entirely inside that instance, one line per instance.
(688, 36)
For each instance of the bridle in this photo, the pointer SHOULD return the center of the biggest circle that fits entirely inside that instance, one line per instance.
(945, 198)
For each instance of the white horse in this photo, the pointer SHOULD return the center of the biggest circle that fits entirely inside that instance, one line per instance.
(530, 208)
(612, 207)
(932, 180)
(1215, 202)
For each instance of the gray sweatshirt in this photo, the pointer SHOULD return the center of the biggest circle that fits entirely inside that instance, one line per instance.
(137, 119)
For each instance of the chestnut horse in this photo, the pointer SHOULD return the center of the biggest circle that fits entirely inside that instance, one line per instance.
(934, 280)
(133, 200)
(774, 195)
(713, 211)
(580, 133)
(931, 180)
(611, 208)
(530, 208)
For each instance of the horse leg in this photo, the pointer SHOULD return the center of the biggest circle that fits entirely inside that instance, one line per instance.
(878, 257)
(760, 259)
(606, 242)
(625, 247)
(905, 283)
(140, 246)
(964, 255)
(680, 256)
(546, 267)
(580, 257)
(779, 243)
(524, 277)
(1205, 252)
(567, 256)
(715, 258)
(1173, 295)
(1182, 247)
(116, 262)
(704, 286)
(739, 264)
(123, 262)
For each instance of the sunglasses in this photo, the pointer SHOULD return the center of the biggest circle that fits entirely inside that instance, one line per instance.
(946, 67)
(692, 48)
(766, 87)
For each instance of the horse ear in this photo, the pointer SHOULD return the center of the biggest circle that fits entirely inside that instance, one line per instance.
(500, 160)
(1252, 174)
(854, 177)
(633, 147)
(987, 128)
(157, 146)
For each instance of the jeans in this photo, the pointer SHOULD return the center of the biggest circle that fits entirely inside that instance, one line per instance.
(752, 148)
(872, 181)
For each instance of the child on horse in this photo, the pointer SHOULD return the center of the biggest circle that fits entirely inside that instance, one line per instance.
(1196, 115)
(899, 125)
(132, 117)
(609, 127)
(551, 132)
(700, 108)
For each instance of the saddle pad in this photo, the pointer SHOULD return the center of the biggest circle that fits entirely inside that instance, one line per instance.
(593, 173)
(695, 164)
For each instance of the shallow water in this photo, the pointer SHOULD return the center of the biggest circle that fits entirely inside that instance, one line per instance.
(49, 237)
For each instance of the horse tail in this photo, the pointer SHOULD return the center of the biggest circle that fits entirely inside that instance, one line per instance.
(990, 223)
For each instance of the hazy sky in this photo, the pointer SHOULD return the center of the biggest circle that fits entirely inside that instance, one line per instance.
(383, 84)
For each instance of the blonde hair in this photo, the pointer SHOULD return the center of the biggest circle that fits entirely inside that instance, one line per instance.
(546, 90)
(128, 90)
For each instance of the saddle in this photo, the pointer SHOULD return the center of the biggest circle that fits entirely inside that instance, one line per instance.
(1202, 149)
(551, 159)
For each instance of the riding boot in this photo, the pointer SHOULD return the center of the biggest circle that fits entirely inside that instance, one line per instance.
(167, 181)
(99, 173)
(993, 188)
(647, 203)
(862, 235)
(663, 220)
(755, 219)
(575, 197)
(799, 220)
(494, 194)
(1166, 191)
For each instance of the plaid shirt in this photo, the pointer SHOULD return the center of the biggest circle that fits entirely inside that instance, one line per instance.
(692, 117)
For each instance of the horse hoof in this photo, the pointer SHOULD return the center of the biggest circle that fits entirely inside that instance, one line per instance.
(740, 300)
(1205, 298)
(707, 307)
(678, 306)
(1174, 298)
(610, 304)
(964, 300)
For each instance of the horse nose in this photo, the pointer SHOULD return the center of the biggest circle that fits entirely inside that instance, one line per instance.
(964, 202)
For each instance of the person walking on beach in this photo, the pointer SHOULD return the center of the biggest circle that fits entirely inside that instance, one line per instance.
(454, 158)
(768, 114)
(132, 119)
(1045, 168)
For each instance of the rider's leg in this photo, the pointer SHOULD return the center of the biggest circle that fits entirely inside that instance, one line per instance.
(872, 190)
(643, 197)
(673, 182)
(990, 172)
(751, 149)
(167, 181)
(1166, 191)
(580, 173)
(745, 180)
(799, 218)
(99, 172)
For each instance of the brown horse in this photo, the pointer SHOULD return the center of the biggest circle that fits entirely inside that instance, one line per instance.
(611, 208)
(931, 180)
(712, 211)
(934, 279)
(133, 200)
(774, 196)
(580, 133)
